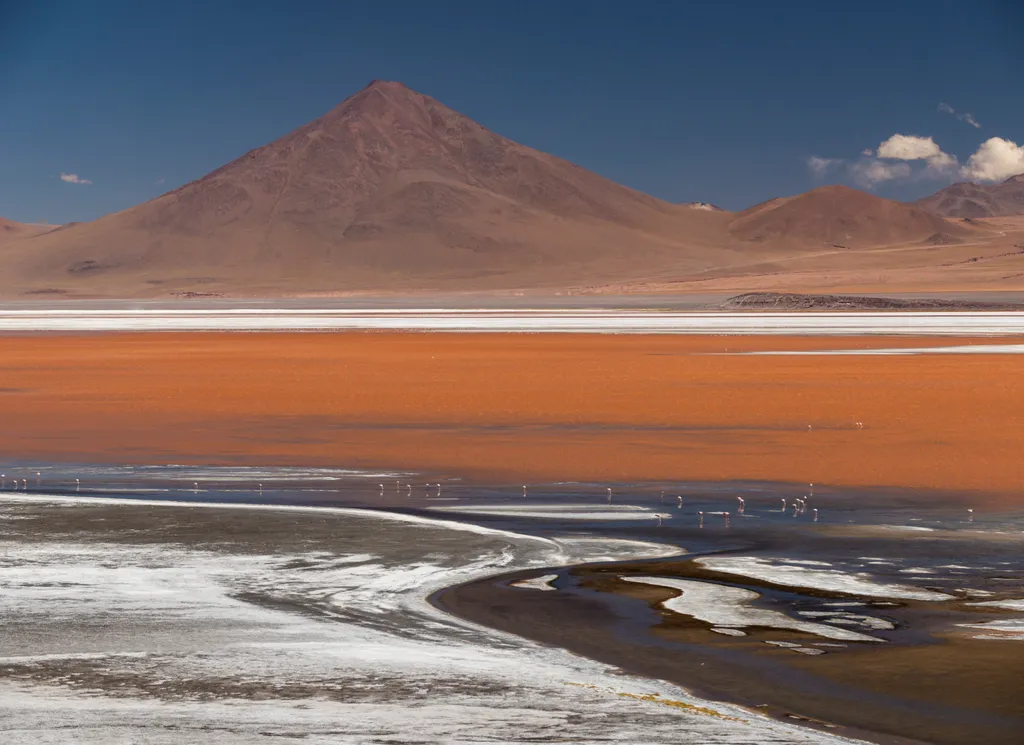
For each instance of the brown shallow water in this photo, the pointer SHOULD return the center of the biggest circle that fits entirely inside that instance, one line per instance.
(521, 407)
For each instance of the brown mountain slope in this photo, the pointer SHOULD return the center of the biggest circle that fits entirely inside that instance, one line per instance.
(974, 200)
(840, 216)
(10, 230)
(390, 190)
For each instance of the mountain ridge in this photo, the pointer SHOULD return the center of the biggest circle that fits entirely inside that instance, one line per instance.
(391, 190)
(968, 199)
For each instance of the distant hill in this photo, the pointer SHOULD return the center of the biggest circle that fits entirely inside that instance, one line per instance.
(975, 200)
(706, 206)
(10, 230)
(844, 217)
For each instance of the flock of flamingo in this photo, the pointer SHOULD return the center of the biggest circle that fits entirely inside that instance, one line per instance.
(799, 505)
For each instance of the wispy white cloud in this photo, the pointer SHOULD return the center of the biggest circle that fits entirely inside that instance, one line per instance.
(160, 181)
(869, 172)
(995, 160)
(820, 166)
(965, 116)
(73, 178)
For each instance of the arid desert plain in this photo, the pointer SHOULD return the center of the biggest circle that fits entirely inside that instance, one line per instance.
(511, 525)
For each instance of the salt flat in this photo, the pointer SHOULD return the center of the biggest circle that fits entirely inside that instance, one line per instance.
(165, 623)
(594, 321)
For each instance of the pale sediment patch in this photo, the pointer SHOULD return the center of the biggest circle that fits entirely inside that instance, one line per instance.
(1010, 628)
(779, 572)
(890, 351)
(610, 512)
(799, 648)
(1004, 604)
(542, 583)
(723, 606)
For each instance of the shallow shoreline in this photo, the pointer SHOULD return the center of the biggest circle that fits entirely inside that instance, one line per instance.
(593, 628)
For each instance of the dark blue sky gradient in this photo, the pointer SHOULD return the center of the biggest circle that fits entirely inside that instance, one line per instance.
(721, 102)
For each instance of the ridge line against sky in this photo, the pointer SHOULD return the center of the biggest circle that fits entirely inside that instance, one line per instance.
(117, 102)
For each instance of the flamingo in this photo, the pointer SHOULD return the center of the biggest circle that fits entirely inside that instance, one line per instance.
(609, 495)
(39, 479)
(524, 491)
(727, 516)
(680, 498)
(742, 507)
(261, 489)
(3, 480)
(815, 514)
(783, 505)
(700, 518)
(439, 490)
(195, 487)
(381, 487)
(78, 485)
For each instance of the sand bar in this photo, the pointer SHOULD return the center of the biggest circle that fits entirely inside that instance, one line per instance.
(599, 321)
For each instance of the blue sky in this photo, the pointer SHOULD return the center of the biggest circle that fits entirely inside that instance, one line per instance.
(722, 102)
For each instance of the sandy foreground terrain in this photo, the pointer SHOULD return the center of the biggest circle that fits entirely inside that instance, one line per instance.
(532, 407)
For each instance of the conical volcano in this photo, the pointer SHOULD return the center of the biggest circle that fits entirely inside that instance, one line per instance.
(389, 190)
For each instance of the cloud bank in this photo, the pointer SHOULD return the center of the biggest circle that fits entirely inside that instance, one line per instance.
(72, 178)
(905, 157)
(996, 160)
